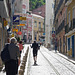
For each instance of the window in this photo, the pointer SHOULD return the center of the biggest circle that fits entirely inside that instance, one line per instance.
(69, 19)
(30, 23)
(39, 24)
(73, 13)
(35, 23)
(52, 5)
(68, 43)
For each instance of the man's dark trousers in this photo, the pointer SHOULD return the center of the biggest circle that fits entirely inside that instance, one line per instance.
(10, 67)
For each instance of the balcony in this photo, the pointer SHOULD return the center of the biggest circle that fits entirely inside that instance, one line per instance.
(58, 7)
(41, 30)
(60, 27)
(68, 29)
(73, 23)
(68, 2)
(4, 8)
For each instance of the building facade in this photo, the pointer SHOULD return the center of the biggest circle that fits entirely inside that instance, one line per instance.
(37, 28)
(25, 26)
(41, 12)
(60, 22)
(64, 14)
(27, 29)
(5, 12)
(70, 27)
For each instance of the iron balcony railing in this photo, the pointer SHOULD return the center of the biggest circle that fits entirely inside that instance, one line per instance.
(68, 29)
(58, 7)
(66, 1)
(60, 27)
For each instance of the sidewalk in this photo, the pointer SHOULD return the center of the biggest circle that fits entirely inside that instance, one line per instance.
(67, 57)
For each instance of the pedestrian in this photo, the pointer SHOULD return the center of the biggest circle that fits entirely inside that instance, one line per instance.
(55, 45)
(35, 50)
(11, 65)
(20, 46)
(18, 39)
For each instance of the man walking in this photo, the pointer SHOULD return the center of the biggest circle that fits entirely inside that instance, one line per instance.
(11, 65)
(35, 50)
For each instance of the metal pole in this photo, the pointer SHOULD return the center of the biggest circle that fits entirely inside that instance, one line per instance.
(12, 12)
(32, 29)
(11, 17)
(2, 33)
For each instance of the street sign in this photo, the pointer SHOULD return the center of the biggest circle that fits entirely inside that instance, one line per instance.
(18, 25)
(53, 32)
(43, 33)
(16, 19)
(22, 24)
(53, 35)
(12, 35)
(5, 23)
(19, 33)
(23, 18)
(15, 30)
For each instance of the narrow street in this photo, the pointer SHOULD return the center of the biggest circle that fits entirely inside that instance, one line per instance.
(50, 63)
(26, 26)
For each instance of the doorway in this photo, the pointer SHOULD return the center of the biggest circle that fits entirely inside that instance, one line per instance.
(73, 46)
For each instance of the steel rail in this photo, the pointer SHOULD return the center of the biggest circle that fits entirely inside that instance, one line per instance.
(60, 62)
(50, 64)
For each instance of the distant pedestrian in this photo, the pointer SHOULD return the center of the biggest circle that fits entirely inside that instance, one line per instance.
(35, 50)
(11, 65)
(18, 39)
(20, 46)
(56, 45)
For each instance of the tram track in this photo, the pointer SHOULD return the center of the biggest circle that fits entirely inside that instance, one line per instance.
(65, 58)
(58, 61)
(50, 64)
